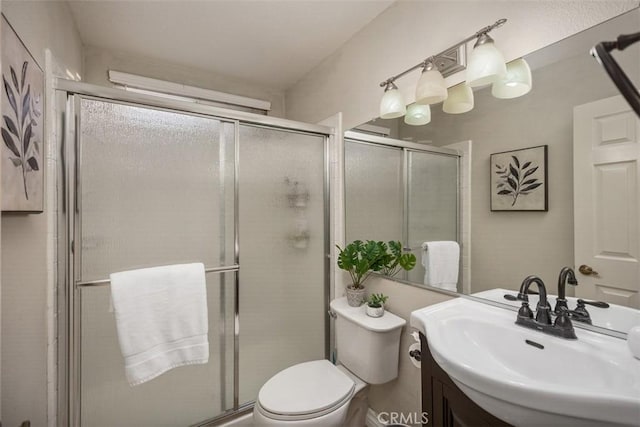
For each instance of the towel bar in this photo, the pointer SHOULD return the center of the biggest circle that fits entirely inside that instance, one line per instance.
(206, 270)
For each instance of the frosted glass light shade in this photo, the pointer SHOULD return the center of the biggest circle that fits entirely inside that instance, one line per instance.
(515, 83)
(460, 100)
(392, 105)
(431, 88)
(486, 65)
(418, 114)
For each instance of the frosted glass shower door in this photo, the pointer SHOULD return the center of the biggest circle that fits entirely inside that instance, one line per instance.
(432, 202)
(282, 253)
(373, 192)
(154, 188)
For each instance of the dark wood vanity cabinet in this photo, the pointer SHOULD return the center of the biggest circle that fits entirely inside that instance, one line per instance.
(445, 403)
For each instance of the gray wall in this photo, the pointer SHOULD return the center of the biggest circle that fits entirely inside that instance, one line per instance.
(25, 264)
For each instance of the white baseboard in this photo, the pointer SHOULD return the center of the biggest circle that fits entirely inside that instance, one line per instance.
(372, 419)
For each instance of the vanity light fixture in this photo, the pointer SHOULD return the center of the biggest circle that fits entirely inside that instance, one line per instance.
(516, 82)
(486, 65)
(460, 99)
(392, 104)
(431, 88)
(418, 114)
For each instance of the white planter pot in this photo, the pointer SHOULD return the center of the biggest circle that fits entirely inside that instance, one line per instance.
(375, 311)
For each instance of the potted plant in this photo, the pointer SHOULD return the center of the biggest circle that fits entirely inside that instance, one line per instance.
(395, 259)
(359, 259)
(375, 305)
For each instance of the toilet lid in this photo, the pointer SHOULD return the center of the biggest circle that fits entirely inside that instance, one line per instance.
(306, 388)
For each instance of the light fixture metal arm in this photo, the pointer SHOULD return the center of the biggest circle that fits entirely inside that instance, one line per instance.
(485, 30)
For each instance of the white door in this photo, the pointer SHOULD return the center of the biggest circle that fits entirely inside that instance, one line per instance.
(606, 151)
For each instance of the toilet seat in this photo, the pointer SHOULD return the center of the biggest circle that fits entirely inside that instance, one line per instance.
(305, 391)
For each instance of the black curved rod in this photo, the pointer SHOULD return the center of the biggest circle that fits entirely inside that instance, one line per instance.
(602, 52)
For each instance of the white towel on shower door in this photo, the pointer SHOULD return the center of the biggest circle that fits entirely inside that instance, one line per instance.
(441, 263)
(161, 318)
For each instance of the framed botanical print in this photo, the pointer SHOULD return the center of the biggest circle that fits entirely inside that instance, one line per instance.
(22, 126)
(519, 180)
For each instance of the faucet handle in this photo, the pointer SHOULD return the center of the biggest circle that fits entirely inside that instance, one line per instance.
(563, 320)
(563, 323)
(599, 304)
(581, 309)
(561, 304)
(525, 311)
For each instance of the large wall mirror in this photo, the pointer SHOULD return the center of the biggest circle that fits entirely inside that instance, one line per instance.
(432, 182)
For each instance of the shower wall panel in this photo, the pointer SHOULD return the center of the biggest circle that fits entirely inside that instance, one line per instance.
(282, 253)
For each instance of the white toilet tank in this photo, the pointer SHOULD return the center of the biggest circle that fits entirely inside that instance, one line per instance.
(367, 346)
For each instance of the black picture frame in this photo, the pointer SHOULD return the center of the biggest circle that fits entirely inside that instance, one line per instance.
(519, 180)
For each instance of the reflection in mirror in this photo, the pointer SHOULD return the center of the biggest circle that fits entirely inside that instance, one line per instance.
(406, 192)
(374, 195)
(593, 215)
(432, 204)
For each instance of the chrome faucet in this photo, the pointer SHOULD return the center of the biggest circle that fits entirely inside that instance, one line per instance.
(562, 327)
(567, 275)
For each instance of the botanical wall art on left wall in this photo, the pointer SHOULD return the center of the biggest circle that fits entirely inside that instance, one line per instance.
(22, 126)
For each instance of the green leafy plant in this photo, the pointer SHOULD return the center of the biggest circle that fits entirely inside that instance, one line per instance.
(360, 259)
(377, 300)
(395, 259)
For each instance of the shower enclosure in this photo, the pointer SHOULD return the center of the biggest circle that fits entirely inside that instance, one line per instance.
(144, 181)
(396, 190)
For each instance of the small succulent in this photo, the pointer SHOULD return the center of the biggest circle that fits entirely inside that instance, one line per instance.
(377, 300)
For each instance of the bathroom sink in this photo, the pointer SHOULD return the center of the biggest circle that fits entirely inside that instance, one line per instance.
(615, 317)
(547, 381)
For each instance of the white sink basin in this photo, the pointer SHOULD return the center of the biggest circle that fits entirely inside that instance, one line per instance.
(591, 381)
(616, 317)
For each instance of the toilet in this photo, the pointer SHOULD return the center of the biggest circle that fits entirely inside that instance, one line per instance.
(319, 393)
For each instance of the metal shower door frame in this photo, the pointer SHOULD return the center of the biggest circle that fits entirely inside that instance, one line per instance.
(70, 289)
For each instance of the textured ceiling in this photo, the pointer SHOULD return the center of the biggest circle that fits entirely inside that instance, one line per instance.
(273, 43)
